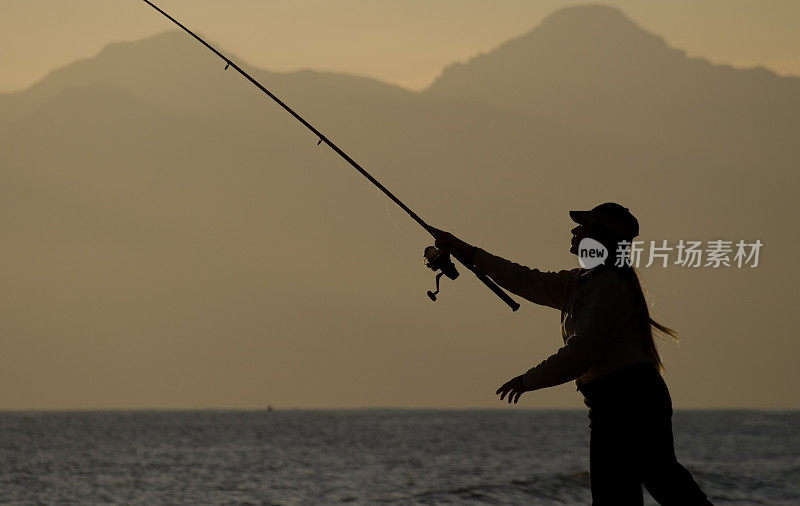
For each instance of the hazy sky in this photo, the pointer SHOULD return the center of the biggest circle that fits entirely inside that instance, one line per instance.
(173, 241)
(403, 42)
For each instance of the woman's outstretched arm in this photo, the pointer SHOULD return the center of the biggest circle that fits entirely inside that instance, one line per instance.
(540, 287)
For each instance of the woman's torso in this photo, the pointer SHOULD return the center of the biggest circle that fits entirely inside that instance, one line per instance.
(629, 345)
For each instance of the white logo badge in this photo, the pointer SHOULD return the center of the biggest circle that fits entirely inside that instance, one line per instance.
(591, 253)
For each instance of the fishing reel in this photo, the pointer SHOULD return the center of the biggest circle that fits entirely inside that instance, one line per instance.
(437, 260)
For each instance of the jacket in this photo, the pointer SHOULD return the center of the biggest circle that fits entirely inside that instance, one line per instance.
(604, 322)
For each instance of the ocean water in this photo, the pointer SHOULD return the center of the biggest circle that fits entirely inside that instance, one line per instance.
(508, 456)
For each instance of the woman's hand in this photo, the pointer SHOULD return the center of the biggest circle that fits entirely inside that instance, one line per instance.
(514, 388)
(448, 243)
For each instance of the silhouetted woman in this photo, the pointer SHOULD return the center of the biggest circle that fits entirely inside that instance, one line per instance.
(609, 351)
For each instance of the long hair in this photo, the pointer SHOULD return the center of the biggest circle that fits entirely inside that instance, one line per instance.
(648, 324)
(646, 321)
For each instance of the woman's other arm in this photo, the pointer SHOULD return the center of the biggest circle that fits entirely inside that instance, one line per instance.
(608, 307)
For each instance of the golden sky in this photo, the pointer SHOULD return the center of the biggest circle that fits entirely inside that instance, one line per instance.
(402, 42)
(172, 240)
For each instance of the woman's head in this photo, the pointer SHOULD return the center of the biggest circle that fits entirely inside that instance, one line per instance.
(609, 224)
(615, 219)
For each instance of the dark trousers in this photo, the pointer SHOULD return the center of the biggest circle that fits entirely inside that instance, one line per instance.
(631, 441)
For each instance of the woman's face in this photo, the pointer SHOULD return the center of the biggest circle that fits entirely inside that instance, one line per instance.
(578, 233)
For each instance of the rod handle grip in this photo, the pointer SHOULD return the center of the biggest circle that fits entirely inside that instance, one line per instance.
(514, 305)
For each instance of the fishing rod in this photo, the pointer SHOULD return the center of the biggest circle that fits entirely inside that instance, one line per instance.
(435, 259)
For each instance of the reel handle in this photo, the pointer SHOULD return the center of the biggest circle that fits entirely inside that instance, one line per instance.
(432, 295)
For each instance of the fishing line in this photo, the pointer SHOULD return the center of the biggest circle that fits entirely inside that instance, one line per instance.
(389, 215)
(435, 259)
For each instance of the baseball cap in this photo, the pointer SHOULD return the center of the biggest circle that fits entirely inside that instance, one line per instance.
(615, 218)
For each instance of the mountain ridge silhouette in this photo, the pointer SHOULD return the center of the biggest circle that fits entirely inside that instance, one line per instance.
(568, 70)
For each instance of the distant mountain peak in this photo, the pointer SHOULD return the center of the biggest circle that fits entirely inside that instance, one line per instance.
(591, 66)
(172, 44)
(590, 14)
(589, 30)
(578, 37)
(572, 43)
(167, 38)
